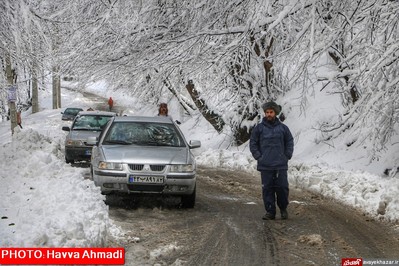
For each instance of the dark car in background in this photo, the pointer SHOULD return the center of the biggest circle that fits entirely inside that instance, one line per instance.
(70, 113)
(86, 124)
(145, 155)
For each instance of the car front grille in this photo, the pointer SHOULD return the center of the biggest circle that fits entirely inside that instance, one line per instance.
(157, 168)
(153, 167)
(136, 167)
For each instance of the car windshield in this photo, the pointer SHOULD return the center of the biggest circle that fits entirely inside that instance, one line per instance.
(72, 111)
(90, 122)
(143, 133)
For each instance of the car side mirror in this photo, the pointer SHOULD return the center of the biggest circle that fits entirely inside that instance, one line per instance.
(66, 129)
(92, 141)
(194, 144)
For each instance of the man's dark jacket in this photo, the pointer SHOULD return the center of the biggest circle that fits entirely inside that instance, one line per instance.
(272, 145)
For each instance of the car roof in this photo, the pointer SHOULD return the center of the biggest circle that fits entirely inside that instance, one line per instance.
(74, 108)
(97, 112)
(156, 119)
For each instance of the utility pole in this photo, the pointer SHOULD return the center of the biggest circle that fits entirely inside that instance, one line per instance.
(12, 93)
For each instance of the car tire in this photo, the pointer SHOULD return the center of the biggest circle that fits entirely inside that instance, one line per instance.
(188, 201)
(69, 161)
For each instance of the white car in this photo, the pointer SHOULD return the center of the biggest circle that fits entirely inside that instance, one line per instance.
(137, 154)
(86, 124)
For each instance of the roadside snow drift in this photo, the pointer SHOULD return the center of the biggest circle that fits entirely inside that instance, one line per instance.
(43, 185)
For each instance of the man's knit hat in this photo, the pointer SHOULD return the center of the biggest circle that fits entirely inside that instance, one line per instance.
(272, 105)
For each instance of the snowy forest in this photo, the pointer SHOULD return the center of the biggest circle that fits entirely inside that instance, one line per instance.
(222, 58)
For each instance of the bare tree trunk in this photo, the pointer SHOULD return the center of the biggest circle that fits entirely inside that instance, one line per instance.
(182, 103)
(35, 92)
(267, 65)
(56, 89)
(214, 119)
(59, 88)
(11, 104)
(243, 133)
(353, 92)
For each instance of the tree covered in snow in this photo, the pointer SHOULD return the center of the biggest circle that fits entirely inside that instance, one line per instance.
(236, 54)
(361, 41)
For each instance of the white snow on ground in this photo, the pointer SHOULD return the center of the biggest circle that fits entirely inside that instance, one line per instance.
(45, 202)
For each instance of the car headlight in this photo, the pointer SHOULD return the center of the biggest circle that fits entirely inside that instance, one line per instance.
(181, 168)
(109, 166)
(71, 142)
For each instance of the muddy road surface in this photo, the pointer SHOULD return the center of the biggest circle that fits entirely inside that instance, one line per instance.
(225, 228)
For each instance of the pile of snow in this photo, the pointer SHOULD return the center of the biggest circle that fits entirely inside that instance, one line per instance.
(375, 195)
(43, 200)
(46, 202)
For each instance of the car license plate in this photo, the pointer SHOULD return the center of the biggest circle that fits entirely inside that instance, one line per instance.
(146, 179)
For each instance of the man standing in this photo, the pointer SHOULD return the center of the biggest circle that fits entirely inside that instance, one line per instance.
(272, 145)
(110, 103)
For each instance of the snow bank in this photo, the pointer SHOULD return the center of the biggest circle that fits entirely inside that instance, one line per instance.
(375, 195)
(42, 186)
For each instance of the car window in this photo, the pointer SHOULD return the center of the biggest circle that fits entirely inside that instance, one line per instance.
(72, 111)
(144, 133)
(90, 122)
(103, 132)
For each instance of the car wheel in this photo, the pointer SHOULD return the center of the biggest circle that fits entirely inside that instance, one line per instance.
(69, 161)
(188, 201)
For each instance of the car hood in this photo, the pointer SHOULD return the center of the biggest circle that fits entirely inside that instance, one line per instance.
(147, 155)
(82, 134)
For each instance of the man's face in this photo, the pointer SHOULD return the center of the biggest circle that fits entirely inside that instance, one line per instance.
(163, 109)
(270, 114)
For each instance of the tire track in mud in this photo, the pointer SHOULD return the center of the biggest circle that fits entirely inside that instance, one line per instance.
(225, 228)
(270, 245)
(236, 235)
